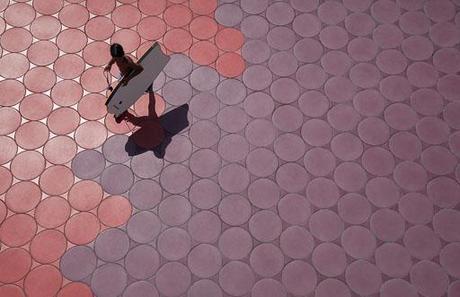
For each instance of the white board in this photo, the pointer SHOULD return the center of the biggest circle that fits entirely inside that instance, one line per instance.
(123, 97)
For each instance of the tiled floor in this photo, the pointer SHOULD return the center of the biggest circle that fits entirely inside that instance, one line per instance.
(320, 159)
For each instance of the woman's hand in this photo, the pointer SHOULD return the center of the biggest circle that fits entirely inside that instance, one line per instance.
(107, 68)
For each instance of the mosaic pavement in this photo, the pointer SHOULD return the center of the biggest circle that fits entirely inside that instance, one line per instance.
(320, 159)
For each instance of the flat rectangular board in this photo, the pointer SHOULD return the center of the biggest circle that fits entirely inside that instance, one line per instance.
(123, 97)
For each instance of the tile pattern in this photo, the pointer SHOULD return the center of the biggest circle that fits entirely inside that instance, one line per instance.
(321, 157)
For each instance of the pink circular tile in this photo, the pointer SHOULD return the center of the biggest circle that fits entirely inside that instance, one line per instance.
(339, 89)
(266, 260)
(432, 130)
(365, 75)
(445, 60)
(73, 16)
(322, 192)
(204, 226)
(66, 93)
(378, 161)
(235, 243)
(429, 278)
(263, 193)
(10, 120)
(19, 14)
(333, 37)
(308, 50)
(373, 131)
(362, 49)
(232, 119)
(438, 160)
(439, 11)
(16, 40)
(21, 62)
(350, 176)
(346, 146)
(363, 277)
(174, 243)
(9, 149)
(204, 287)
(233, 147)
(69, 66)
(294, 209)
(306, 25)
(14, 92)
(204, 260)
(445, 34)
(448, 86)
(299, 278)
(258, 105)
(427, 102)
(97, 53)
(354, 208)
(382, 192)
(393, 260)
(233, 178)
(71, 40)
(204, 133)
(405, 145)
(31, 135)
(414, 23)
(359, 24)
(385, 11)
(265, 226)
(99, 28)
(286, 90)
(331, 13)
(27, 165)
(236, 278)
(395, 88)
(289, 147)
(175, 210)
(422, 75)
(325, 225)
(387, 36)
(343, 117)
(416, 208)
(42, 53)
(296, 242)
(417, 48)
(319, 161)
(444, 222)
(329, 259)
(100, 7)
(39, 79)
(45, 27)
(292, 177)
(358, 242)
(316, 132)
(260, 132)
(128, 37)
(391, 61)
(281, 38)
(387, 224)
(335, 62)
(48, 7)
(448, 259)
(394, 287)
(313, 103)
(173, 279)
(126, 16)
(400, 116)
(235, 210)
(357, 5)
(176, 178)
(268, 288)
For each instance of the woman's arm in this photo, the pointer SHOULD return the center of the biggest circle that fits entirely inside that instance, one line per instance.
(109, 66)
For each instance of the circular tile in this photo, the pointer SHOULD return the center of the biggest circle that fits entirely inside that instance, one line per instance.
(339, 89)
(319, 161)
(387, 36)
(48, 246)
(287, 118)
(330, 287)
(173, 279)
(235, 243)
(78, 263)
(205, 105)
(228, 15)
(117, 179)
(258, 104)
(265, 225)
(16, 264)
(177, 92)
(391, 61)
(393, 260)
(175, 210)
(52, 212)
(306, 25)
(31, 135)
(233, 147)
(82, 228)
(346, 146)
(43, 274)
(299, 278)
(269, 288)
(146, 165)
(234, 210)
(175, 178)
(88, 164)
(205, 194)
(39, 79)
(429, 278)
(204, 78)
(308, 50)
(204, 260)
(19, 14)
(143, 227)
(280, 13)
(21, 62)
(16, 40)
(448, 259)
(114, 211)
(294, 209)
(445, 60)
(111, 245)
(105, 273)
(17, 230)
(414, 23)
(441, 222)
(422, 74)
(354, 208)
(53, 173)
(233, 178)
(322, 192)
(9, 149)
(254, 26)
(266, 260)
(145, 194)
(174, 243)
(325, 225)
(142, 262)
(27, 165)
(140, 288)
(405, 146)
(205, 287)
(416, 208)
(316, 132)
(333, 37)
(204, 226)
(444, 34)
(359, 24)
(45, 27)
(313, 103)
(387, 224)
(373, 158)
(69, 66)
(309, 76)
(71, 41)
(329, 259)
(363, 277)
(362, 49)
(73, 15)
(236, 278)
(397, 286)
(14, 92)
(232, 119)
(296, 242)
(439, 11)
(438, 160)
(292, 177)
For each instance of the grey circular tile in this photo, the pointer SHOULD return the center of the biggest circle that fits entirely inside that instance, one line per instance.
(231, 91)
(204, 78)
(88, 164)
(145, 194)
(142, 262)
(228, 15)
(146, 165)
(117, 179)
(179, 66)
(143, 227)
(109, 280)
(114, 149)
(111, 245)
(78, 263)
(177, 92)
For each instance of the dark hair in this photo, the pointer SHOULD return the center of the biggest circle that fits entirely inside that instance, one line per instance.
(116, 50)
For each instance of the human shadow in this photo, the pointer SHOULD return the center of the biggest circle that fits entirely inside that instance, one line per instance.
(155, 133)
